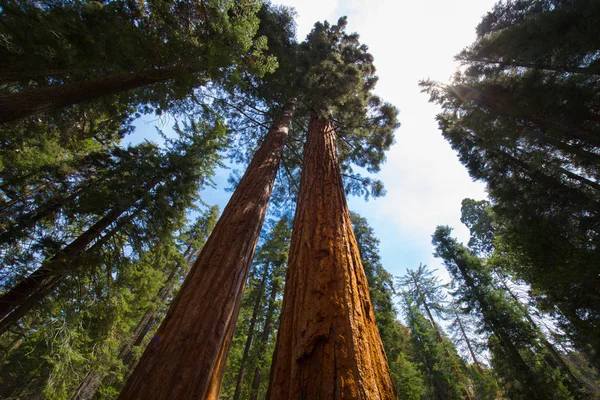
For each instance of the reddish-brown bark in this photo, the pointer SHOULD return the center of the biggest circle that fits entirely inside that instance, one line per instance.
(19, 105)
(186, 358)
(328, 345)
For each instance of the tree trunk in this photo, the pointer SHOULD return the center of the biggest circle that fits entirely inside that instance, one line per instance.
(15, 303)
(94, 378)
(240, 378)
(556, 356)
(328, 344)
(466, 338)
(186, 358)
(265, 336)
(19, 105)
(88, 387)
(440, 340)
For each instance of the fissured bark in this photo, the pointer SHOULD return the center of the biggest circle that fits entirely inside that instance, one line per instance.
(328, 345)
(186, 358)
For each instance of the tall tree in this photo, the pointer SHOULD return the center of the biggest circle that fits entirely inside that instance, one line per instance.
(432, 355)
(523, 117)
(74, 336)
(423, 291)
(176, 266)
(514, 342)
(172, 176)
(328, 345)
(108, 48)
(196, 333)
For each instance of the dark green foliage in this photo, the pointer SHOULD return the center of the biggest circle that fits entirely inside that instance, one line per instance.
(256, 326)
(331, 74)
(423, 297)
(523, 117)
(437, 360)
(91, 317)
(53, 43)
(519, 357)
(82, 325)
(407, 378)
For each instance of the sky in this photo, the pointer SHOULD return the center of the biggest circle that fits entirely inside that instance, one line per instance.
(425, 183)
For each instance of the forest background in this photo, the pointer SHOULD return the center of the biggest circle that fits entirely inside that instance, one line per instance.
(424, 181)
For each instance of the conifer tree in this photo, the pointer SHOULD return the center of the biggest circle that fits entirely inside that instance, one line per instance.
(523, 119)
(433, 355)
(519, 356)
(82, 51)
(423, 291)
(208, 302)
(142, 180)
(83, 331)
(327, 330)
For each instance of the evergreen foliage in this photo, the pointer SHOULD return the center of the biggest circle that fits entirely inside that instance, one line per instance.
(407, 378)
(519, 356)
(249, 360)
(523, 118)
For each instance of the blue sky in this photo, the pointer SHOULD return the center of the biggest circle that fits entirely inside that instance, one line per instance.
(425, 183)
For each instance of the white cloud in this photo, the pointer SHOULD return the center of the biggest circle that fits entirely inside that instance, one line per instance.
(425, 182)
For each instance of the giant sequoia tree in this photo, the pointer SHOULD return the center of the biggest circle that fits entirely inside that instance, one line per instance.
(60, 54)
(196, 333)
(523, 117)
(328, 345)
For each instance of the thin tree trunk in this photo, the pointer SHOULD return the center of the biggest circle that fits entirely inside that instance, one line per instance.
(275, 288)
(240, 378)
(186, 359)
(30, 291)
(526, 374)
(328, 344)
(440, 340)
(558, 359)
(19, 105)
(466, 338)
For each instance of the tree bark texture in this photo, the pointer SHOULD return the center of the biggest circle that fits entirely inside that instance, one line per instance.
(19, 105)
(186, 358)
(328, 345)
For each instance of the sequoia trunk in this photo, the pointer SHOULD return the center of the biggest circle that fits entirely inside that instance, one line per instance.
(328, 345)
(186, 358)
(19, 105)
